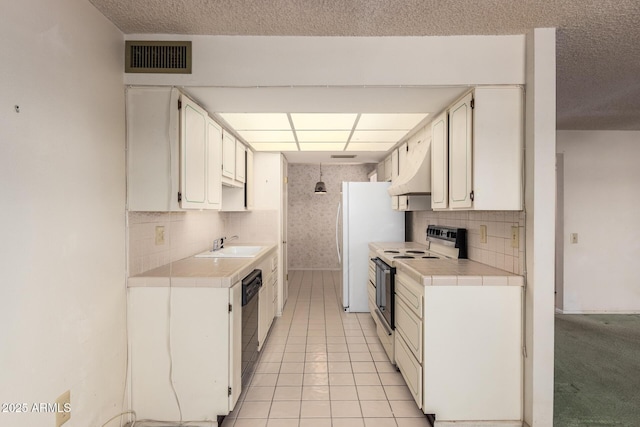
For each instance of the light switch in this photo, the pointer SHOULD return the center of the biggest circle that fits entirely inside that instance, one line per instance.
(159, 235)
(483, 234)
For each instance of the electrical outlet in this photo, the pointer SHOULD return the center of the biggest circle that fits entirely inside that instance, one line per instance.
(574, 238)
(63, 408)
(515, 237)
(483, 234)
(159, 235)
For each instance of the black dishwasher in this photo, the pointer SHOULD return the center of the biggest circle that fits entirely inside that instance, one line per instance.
(251, 285)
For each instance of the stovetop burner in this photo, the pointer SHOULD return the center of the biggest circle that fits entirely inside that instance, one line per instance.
(431, 256)
(391, 252)
(404, 257)
(415, 252)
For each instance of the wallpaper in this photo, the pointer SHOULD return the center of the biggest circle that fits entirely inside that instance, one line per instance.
(312, 217)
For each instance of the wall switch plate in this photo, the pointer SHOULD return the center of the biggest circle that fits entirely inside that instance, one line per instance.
(574, 238)
(515, 237)
(483, 234)
(63, 408)
(159, 235)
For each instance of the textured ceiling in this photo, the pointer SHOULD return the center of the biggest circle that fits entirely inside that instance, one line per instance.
(598, 41)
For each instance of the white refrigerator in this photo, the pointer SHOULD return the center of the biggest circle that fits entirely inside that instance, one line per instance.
(364, 215)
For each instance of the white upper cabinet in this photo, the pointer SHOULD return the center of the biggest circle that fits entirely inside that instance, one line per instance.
(241, 165)
(481, 145)
(214, 165)
(228, 157)
(461, 153)
(403, 153)
(394, 165)
(439, 163)
(171, 160)
(387, 168)
(193, 159)
(233, 161)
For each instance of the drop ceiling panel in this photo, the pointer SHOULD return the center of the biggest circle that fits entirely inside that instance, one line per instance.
(252, 136)
(323, 135)
(321, 146)
(257, 121)
(389, 121)
(320, 121)
(275, 146)
(378, 135)
(369, 146)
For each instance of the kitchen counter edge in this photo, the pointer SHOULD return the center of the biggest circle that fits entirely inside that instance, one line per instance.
(195, 272)
(449, 272)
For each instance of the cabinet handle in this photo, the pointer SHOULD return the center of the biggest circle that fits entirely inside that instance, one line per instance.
(471, 196)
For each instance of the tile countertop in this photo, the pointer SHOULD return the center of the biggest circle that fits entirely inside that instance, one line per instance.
(448, 272)
(202, 272)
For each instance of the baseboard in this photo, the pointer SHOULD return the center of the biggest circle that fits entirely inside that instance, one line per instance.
(480, 424)
(597, 312)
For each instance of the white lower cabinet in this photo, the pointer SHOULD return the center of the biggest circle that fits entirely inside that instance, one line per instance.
(266, 309)
(459, 349)
(195, 333)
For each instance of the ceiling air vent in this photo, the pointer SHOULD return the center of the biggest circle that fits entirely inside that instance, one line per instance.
(157, 57)
(343, 156)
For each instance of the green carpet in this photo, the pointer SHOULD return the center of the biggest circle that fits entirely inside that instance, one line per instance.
(597, 370)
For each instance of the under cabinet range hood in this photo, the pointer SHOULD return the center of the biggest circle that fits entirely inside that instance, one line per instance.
(414, 176)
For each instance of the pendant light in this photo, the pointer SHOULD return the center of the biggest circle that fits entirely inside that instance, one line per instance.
(321, 188)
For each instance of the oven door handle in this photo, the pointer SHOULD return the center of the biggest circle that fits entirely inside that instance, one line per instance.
(383, 322)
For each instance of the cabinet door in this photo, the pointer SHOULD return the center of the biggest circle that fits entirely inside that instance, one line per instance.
(439, 163)
(241, 165)
(262, 316)
(249, 187)
(403, 154)
(193, 165)
(394, 165)
(387, 168)
(214, 165)
(228, 155)
(460, 153)
(235, 344)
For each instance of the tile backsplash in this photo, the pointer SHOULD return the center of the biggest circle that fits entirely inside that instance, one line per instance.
(190, 232)
(186, 233)
(496, 252)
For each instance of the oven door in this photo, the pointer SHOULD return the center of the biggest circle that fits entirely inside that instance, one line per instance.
(385, 297)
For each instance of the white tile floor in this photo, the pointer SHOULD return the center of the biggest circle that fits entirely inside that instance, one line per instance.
(322, 367)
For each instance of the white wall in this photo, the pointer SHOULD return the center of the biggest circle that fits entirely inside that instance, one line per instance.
(601, 205)
(356, 61)
(62, 186)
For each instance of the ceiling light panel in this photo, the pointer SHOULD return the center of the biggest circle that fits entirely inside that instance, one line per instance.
(321, 121)
(321, 146)
(369, 146)
(389, 121)
(275, 146)
(252, 136)
(378, 135)
(257, 121)
(323, 135)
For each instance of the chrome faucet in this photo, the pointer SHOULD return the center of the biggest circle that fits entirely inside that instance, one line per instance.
(222, 239)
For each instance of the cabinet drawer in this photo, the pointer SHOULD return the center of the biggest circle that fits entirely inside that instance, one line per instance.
(410, 292)
(372, 271)
(371, 291)
(410, 369)
(410, 327)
